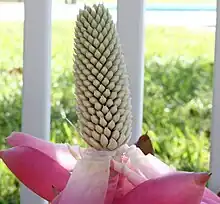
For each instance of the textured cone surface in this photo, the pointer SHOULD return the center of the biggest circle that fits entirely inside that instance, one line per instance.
(102, 89)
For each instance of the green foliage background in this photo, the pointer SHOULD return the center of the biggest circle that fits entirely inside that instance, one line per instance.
(177, 94)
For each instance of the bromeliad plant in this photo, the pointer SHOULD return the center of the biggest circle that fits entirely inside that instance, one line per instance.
(109, 171)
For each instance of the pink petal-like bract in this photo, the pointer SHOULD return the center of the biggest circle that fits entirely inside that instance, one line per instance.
(56, 200)
(58, 152)
(209, 201)
(209, 195)
(36, 170)
(154, 168)
(88, 183)
(112, 186)
(178, 188)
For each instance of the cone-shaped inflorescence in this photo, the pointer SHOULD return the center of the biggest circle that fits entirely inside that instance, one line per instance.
(102, 89)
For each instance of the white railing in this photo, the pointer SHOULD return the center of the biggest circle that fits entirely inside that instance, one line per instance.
(214, 183)
(36, 77)
(131, 33)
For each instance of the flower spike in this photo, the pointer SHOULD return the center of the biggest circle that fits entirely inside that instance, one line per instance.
(101, 78)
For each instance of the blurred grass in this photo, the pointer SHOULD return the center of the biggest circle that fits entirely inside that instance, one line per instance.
(170, 42)
(177, 100)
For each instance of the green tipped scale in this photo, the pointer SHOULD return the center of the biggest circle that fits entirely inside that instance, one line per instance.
(101, 79)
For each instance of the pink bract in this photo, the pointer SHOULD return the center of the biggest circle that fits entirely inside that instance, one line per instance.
(178, 188)
(42, 165)
(36, 170)
(58, 152)
(210, 196)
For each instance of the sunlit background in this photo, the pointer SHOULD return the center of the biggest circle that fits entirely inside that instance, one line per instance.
(179, 55)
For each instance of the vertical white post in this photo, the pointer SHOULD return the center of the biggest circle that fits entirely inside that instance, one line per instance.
(214, 183)
(130, 25)
(36, 77)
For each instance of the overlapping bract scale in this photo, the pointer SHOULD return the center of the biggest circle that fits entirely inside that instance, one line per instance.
(102, 88)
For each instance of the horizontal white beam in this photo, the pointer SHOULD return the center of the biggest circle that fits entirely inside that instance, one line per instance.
(214, 183)
(36, 77)
(130, 25)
